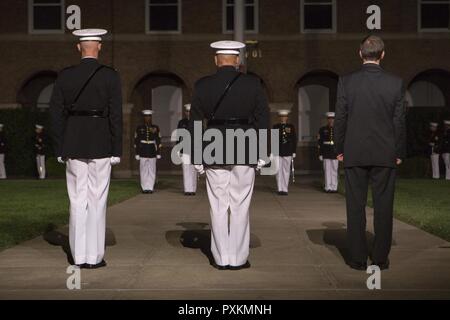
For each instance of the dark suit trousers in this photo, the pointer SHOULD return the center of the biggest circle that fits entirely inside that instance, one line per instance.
(357, 181)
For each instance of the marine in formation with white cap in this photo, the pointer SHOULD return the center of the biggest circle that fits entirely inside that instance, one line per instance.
(445, 148)
(328, 155)
(2, 152)
(39, 150)
(86, 114)
(147, 146)
(433, 150)
(230, 100)
(288, 149)
(190, 174)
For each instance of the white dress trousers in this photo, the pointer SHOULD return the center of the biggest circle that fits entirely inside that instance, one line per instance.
(147, 172)
(330, 168)
(435, 166)
(40, 164)
(2, 166)
(284, 173)
(446, 157)
(230, 192)
(88, 187)
(190, 175)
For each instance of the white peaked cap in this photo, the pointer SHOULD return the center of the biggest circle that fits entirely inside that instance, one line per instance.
(227, 47)
(187, 107)
(330, 114)
(284, 112)
(39, 126)
(147, 112)
(90, 34)
(433, 124)
(447, 122)
(1, 125)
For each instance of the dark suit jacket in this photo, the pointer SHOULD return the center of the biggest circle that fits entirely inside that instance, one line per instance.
(245, 100)
(370, 118)
(81, 136)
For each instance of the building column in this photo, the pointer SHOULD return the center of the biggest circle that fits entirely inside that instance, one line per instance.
(239, 25)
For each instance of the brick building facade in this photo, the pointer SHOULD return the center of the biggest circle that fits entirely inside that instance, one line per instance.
(161, 47)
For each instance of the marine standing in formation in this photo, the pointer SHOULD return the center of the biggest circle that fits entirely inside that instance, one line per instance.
(86, 114)
(147, 145)
(445, 148)
(2, 152)
(39, 150)
(190, 174)
(230, 100)
(328, 155)
(288, 149)
(433, 150)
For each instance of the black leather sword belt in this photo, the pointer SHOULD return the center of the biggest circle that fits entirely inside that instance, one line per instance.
(87, 113)
(226, 122)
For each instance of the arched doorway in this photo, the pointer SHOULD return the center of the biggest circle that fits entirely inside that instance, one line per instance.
(316, 96)
(37, 90)
(164, 93)
(428, 99)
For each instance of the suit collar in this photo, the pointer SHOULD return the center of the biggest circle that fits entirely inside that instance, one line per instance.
(89, 60)
(371, 67)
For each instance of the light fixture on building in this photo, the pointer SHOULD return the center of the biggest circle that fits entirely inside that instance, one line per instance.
(253, 50)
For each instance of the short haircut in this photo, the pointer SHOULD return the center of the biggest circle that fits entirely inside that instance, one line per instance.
(372, 48)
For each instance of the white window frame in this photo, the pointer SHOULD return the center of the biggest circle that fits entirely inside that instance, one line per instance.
(419, 16)
(225, 5)
(31, 29)
(147, 19)
(333, 16)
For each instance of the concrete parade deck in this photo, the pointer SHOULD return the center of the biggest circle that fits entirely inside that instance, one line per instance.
(158, 248)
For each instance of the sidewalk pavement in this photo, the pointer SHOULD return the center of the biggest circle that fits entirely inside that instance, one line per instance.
(158, 248)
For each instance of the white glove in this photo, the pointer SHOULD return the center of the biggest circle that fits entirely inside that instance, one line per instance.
(60, 160)
(321, 158)
(137, 157)
(261, 163)
(200, 169)
(294, 155)
(115, 160)
(158, 157)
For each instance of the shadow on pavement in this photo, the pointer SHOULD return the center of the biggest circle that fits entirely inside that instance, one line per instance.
(60, 237)
(198, 236)
(334, 237)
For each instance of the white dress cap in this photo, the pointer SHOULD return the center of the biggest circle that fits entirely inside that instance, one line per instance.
(283, 112)
(90, 34)
(227, 47)
(147, 112)
(187, 107)
(433, 124)
(39, 126)
(1, 125)
(447, 122)
(330, 114)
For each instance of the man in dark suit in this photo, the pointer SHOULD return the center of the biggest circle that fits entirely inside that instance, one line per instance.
(230, 180)
(87, 128)
(370, 140)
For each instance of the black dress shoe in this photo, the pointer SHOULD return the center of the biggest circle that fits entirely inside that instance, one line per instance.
(383, 265)
(221, 268)
(361, 266)
(150, 191)
(96, 266)
(82, 266)
(280, 193)
(187, 194)
(244, 266)
(192, 193)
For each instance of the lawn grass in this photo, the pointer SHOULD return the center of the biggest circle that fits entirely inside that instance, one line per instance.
(424, 203)
(28, 208)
